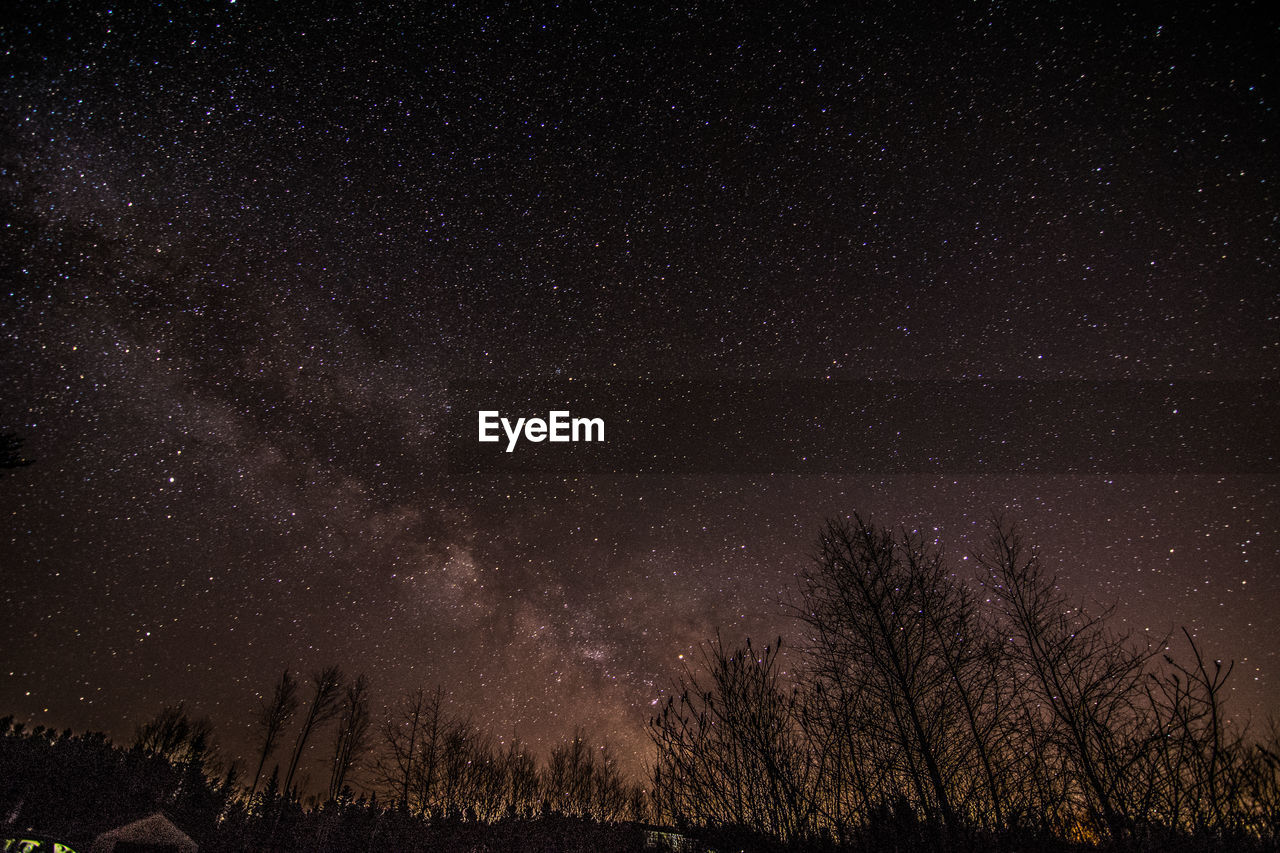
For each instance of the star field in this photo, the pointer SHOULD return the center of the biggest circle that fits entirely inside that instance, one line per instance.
(249, 248)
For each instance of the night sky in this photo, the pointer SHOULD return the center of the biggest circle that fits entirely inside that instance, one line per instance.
(248, 251)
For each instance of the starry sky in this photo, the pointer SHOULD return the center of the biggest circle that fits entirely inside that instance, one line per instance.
(252, 252)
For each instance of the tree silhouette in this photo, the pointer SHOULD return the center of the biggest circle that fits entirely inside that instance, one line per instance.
(1089, 679)
(924, 714)
(325, 690)
(568, 776)
(1046, 728)
(272, 717)
(174, 737)
(413, 751)
(353, 734)
(401, 736)
(731, 748)
(873, 604)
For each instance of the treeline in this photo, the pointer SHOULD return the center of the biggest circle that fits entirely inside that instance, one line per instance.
(437, 764)
(462, 794)
(77, 786)
(430, 762)
(922, 709)
(951, 711)
(424, 779)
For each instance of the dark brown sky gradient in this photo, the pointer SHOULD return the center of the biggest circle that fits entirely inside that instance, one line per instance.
(247, 250)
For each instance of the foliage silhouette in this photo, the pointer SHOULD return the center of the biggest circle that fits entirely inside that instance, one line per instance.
(920, 710)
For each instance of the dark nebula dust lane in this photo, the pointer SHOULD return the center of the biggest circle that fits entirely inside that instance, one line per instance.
(249, 249)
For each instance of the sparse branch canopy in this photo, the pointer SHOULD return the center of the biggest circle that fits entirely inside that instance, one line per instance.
(353, 734)
(173, 736)
(921, 710)
(1088, 680)
(272, 718)
(731, 747)
(918, 703)
(326, 685)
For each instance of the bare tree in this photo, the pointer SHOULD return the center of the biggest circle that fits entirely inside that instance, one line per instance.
(608, 788)
(638, 803)
(464, 757)
(973, 660)
(1262, 783)
(272, 717)
(524, 789)
(569, 776)
(732, 749)
(325, 691)
(439, 764)
(425, 755)
(401, 736)
(175, 737)
(1196, 772)
(875, 604)
(1089, 680)
(352, 740)
(428, 777)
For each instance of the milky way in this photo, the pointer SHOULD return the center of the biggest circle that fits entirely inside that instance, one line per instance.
(248, 251)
